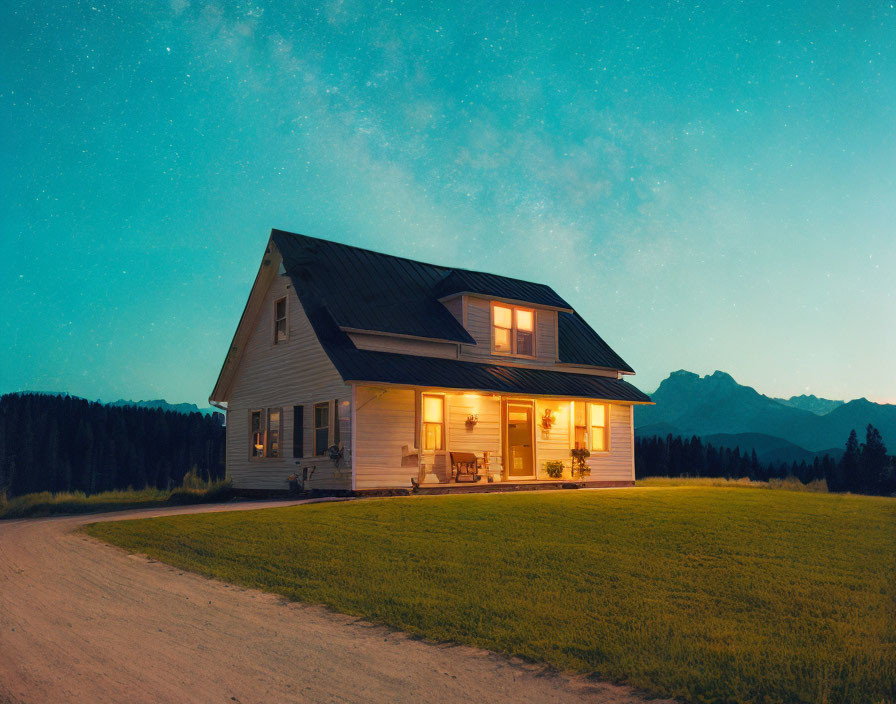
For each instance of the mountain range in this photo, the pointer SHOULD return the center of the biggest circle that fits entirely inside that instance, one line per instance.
(721, 411)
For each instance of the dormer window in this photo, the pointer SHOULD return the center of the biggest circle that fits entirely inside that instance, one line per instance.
(513, 330)
(280, 331)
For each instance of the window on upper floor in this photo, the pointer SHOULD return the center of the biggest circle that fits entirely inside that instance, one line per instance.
(280, 329)
(513, 330)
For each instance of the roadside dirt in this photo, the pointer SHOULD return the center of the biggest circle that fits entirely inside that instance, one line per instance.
(81, 621)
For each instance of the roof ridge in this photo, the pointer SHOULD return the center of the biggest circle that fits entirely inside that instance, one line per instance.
(442, 267)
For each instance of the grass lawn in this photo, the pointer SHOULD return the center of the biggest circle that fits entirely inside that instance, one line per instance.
(709, 594)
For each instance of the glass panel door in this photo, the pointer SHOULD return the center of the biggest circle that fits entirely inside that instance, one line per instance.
(519, 441)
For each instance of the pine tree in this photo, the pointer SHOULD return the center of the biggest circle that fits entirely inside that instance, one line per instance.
(872, 462)
(849, 465)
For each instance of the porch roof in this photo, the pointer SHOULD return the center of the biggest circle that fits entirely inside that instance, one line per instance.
(408, 370)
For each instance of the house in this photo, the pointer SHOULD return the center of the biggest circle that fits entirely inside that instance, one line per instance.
(356, 370)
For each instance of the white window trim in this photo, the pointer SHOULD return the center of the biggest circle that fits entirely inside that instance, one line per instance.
(285, 299)
(589, 428)
(606, 428)
(315, 427)
(444, 399)
(267, 434)
(513, 330)
(263, 425)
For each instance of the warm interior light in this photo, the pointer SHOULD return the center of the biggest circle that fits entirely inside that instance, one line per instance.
(525, 320)
(432, 409)
(503, 317)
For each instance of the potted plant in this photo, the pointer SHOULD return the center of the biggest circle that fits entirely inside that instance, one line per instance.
(554, 468)
(579, 464)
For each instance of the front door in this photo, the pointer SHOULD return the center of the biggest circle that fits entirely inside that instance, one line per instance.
(519, 441)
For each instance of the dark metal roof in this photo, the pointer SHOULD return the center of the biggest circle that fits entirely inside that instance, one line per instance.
(356, 288)
(367, 290)
(463, 281)
(384, 367)
(579, 344)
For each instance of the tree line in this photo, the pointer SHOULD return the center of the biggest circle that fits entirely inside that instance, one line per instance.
(864, 468)
(62, 443)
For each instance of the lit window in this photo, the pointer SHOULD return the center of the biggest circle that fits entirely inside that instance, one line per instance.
(433, 422)
(599, 427)
(513, 330)
(321, 428)
(503, 329)
(581, 426)
(273, 444)
(525, 335)
(279, 320)
(256, 434)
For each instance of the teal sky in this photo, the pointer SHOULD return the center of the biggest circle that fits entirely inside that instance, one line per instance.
(713, 185)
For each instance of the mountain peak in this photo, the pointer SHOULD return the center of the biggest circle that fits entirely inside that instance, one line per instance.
(684, 374)
(716, 403)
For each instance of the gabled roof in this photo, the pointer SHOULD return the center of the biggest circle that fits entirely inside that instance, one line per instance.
(354, 364)
(359, 289)
(463, 281)
(366, 290)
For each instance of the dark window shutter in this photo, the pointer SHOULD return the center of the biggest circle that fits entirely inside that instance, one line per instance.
(298, 430)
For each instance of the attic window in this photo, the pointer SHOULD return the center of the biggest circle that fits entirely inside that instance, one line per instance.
(280, 331)
(513, 330)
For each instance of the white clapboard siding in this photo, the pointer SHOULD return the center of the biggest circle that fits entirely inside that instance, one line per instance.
(484, 435)
(615, 465)
(552, 444)
(294, 372)
(385, 420)
(403, 345)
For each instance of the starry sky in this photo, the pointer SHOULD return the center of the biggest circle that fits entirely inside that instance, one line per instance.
(712, 185)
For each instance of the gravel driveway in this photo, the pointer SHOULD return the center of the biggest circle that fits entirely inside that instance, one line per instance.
(81, 621)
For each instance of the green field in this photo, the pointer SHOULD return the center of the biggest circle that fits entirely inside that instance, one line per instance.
(709, 594)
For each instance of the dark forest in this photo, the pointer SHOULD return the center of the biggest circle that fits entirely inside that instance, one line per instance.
(63, 443)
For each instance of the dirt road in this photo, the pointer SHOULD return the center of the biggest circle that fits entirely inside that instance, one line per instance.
(81, 621)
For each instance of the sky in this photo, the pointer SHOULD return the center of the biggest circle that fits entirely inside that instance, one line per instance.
(712, 185)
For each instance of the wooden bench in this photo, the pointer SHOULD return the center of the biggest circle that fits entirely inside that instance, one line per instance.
(465, 466)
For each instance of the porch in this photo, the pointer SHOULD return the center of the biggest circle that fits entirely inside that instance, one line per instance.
(473, 441)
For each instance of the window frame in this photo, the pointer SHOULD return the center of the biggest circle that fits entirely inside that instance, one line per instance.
(321, 451)
(605, 428)
(589, 425)
(443, 444)
(285, 319)
(514, 329)
(573, 425)
(254, 452)
(269, 443)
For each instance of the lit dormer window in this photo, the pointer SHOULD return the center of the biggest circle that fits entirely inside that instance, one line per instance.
(280, 331)
(513, 330)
